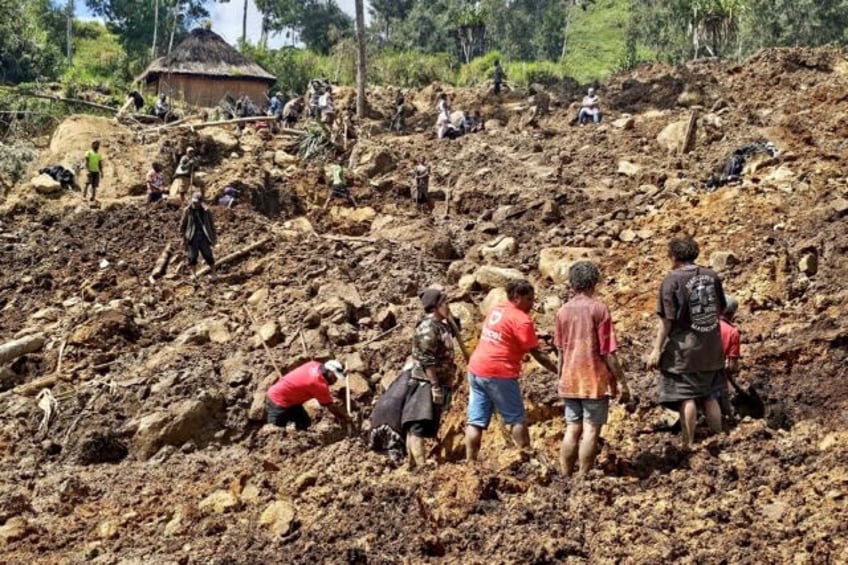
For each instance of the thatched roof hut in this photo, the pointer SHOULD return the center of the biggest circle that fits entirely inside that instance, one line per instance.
(203, 69)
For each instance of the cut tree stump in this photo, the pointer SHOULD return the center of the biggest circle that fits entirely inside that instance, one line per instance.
(691, 133)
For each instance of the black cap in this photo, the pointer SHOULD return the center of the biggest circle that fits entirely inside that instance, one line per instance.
(431, 297)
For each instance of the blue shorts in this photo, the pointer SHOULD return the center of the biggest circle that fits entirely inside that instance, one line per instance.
(487, 395)
(591, 411)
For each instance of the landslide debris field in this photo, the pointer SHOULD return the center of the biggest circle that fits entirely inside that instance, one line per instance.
(154, 453)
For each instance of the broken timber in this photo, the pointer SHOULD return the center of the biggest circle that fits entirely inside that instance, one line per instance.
(238, 254)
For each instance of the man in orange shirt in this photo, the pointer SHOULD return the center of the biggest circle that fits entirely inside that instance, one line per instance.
(493, 370)
(588, 367)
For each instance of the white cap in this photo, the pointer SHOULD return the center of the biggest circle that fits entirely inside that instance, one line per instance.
(335, 367)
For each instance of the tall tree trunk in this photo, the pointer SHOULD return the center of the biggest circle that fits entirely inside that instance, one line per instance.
(361, 79)
(244, 24)
(155, 29)
(70, 26)
(173, 28)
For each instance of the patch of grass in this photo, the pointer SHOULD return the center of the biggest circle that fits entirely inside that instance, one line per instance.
(99, 61)
(597, 40)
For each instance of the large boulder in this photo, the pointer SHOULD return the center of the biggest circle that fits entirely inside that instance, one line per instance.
(672, 135)
(190, 420)
(489, 277)
(495, 296)
(45, 184)
(104, 325)
(554, 262)
(369, 159)
(224, 139)
(499, 248)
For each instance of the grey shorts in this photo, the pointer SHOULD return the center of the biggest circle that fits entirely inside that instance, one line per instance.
(591, 411)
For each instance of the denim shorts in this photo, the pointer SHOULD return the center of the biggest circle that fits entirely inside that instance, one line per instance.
(488, 394)
(593, 411)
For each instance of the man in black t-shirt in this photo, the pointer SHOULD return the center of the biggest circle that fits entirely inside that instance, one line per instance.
(687, 348)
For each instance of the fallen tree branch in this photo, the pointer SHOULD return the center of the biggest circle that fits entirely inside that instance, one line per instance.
(11, 350)
(176, 123)
(382, 335)
(161, 263)
(238, 254)
(68, 100)
(286, 131)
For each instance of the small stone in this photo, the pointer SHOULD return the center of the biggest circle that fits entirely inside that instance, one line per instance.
(551, 212)
(108, 529)
(258, 297)
(628, 169)
(625, 123)
(278, 517)
(353, 362)
(721, 260)
(499, 248)
(270, 334)
(219, 502)
(467, 283)
(306, 480)
(16, 528)
(809, 264)
(839, 207)
(386, 319)
(490, 228)
(627, 236)
(218, 332)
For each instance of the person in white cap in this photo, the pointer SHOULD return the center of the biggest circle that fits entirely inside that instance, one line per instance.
(285, 399)
(590, 109)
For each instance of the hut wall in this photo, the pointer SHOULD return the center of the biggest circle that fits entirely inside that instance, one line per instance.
(207, 91)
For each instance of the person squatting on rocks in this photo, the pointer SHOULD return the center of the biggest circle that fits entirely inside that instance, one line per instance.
(162, 109)
(421, 188)
(155, 183)
(198, 231)
(285, 399)
(94, 168)
(229, 198)
(184, 175)
(338, 186)
(494, 368)
(589, 109)
(432, 372)
(589, 371)
(688, 348)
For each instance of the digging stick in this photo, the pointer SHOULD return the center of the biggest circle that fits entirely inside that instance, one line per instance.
(265, 345)
(458, 338)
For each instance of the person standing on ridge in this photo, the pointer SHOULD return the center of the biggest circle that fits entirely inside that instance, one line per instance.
(94, 168)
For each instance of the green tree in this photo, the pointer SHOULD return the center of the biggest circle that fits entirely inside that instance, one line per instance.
(770, 23)
(31, 40)
(387, 12)
(133, 21)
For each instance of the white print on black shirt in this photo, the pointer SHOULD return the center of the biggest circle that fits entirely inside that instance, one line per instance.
(703, 303)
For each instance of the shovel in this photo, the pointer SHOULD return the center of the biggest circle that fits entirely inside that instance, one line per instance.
(747, 402)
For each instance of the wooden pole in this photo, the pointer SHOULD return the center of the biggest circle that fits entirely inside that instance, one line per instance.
(265, 345)
(238, 254)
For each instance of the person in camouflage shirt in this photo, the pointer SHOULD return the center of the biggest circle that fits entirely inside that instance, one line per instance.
(432, 371)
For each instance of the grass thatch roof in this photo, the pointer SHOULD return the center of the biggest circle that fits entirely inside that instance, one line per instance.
(204, 52)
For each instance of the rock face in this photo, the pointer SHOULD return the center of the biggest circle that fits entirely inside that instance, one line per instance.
(554, 262)
(189, 420)
(489, 277)
(369, 160)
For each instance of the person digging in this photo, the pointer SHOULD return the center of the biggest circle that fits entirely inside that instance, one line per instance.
(198, 231)
(285, 399)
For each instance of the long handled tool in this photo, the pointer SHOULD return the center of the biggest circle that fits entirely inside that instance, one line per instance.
(265, 345)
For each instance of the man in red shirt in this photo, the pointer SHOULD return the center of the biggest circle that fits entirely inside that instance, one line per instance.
(285, 399)
(589, 369)
(493, 370)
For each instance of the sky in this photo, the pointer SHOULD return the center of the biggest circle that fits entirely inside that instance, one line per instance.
(226, 19)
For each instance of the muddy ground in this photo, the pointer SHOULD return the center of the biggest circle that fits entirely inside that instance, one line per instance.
(156, 451)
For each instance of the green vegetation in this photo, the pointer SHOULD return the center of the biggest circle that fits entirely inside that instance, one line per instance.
(100, 61)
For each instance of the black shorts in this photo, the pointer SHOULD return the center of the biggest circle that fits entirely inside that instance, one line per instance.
(280, 416)
(422, 428)
(93, 179)
(200, 246)
(154, 197)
